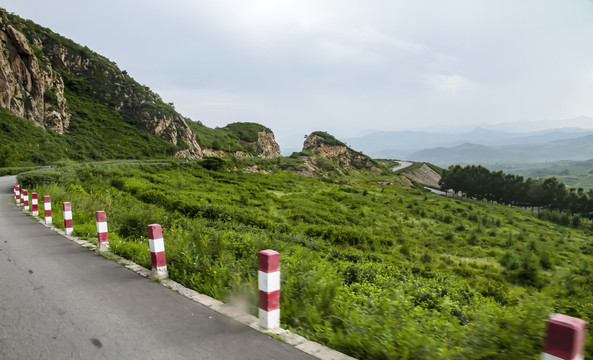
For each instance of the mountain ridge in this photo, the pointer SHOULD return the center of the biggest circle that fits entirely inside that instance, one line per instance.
(84, 98)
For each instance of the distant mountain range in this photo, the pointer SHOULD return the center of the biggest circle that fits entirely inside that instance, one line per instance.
(571, 149)
(478, 146)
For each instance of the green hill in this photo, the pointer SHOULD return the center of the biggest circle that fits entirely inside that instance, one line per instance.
(89, 109)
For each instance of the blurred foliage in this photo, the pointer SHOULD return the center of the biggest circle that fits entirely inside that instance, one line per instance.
(378, 272)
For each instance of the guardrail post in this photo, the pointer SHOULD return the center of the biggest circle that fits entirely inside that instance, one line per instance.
(565, 338)
(268, 276)
(17, 193)
(67, 210)
(34, 205)
(102, 238)
(157, 252)
(47, 209)
(25, 198)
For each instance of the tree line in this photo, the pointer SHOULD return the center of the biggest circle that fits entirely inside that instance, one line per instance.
(495, 186)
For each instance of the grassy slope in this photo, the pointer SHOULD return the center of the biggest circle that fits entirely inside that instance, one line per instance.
(374, 271)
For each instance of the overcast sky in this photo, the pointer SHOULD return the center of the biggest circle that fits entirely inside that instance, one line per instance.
(344, 66)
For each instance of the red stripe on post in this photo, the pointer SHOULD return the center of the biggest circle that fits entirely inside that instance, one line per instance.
(101, 216)
(155, 231)
(565, 337)
(269, 261)
(158, 259)
(269, 301)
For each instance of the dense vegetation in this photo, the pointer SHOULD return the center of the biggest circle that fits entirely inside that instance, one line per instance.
(234, 137)
(481, 183)
(327, 139)
(378, 272)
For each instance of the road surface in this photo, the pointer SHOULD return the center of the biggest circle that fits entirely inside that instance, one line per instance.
(59, 300)
(402, 165)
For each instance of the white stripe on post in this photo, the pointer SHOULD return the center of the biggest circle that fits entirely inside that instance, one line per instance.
(565, 338)
(34, 205)
(67, 208)
(47, 208)
(102, 237)
(25, 198)
(157, 252)
(269, 289)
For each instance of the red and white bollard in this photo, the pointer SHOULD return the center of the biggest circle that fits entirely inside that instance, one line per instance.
(25, 199)
(67, 210)
(47, 209)
(17, 194)
(565, 338)
(268, 277)
(22, 197)
(157, 252)
(34, 205)
(102, 238)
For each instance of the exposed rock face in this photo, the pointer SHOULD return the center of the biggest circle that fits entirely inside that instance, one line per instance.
(29, 88)
(33, 61)
(341, 154)
(425, 175)
(266, 145)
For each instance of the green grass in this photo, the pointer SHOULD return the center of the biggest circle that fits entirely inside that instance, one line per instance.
(378, 272)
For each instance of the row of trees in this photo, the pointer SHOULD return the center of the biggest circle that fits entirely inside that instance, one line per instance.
(549, 193)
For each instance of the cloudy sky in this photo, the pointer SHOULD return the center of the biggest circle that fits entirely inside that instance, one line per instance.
(344, 66)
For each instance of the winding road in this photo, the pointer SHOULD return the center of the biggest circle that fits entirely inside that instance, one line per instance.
(402, 165)
(59, 300)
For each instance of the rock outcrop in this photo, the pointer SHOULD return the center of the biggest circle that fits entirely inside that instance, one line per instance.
(36, 65)
(266, 146)
(28, 87)
(330, 148)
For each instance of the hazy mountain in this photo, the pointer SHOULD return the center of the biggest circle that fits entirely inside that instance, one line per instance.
(580, 148)
(402, 144)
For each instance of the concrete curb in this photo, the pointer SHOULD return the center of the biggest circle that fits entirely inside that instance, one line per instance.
(317, 350)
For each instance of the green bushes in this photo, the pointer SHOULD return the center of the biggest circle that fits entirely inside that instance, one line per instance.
(377, 272)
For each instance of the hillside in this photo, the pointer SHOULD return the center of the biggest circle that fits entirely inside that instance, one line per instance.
(82, 98)
(363, 260)
(324, 152)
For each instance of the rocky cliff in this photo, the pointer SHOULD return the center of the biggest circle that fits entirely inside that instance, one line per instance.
(29, 88)
(266, 146)
(327, 146)
(64, 87)
(37, 65)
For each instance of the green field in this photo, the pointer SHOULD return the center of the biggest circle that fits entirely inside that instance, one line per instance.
(377, 272)
(572, 173)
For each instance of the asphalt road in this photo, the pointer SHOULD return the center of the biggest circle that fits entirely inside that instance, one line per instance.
(59, 300)
(402, 165)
